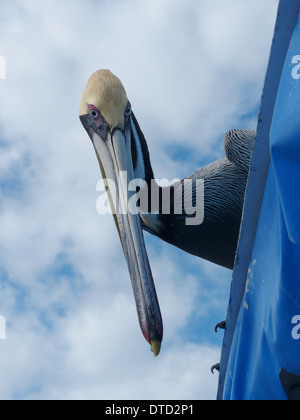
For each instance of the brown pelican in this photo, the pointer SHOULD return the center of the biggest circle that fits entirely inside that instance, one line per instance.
(120, 147)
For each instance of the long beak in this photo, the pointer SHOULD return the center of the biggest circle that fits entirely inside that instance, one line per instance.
(114, 156)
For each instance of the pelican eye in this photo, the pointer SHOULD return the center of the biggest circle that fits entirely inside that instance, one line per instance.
(128, 110)
(94, 114)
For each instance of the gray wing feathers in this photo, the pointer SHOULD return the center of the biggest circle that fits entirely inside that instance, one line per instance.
(239, 145)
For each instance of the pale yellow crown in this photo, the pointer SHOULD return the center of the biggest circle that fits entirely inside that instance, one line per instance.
(105, 91)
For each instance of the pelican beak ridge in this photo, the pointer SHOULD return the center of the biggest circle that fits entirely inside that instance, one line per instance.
(113, 150)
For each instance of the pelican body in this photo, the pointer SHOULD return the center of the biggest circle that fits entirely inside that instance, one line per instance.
(120, 146)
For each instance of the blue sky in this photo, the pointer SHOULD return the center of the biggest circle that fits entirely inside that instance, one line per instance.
(192, 70)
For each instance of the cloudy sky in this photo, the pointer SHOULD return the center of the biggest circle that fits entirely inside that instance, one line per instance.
(192, 70)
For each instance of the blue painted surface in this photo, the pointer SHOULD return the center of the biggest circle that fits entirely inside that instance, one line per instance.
(267, 332)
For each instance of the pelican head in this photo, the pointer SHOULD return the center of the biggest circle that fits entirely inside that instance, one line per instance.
(106, 114)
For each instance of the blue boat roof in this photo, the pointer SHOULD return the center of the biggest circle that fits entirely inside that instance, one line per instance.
(261, 349)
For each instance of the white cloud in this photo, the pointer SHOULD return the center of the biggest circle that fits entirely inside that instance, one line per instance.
(192, 71)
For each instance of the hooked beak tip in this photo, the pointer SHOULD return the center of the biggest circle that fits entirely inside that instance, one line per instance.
(155, 347)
